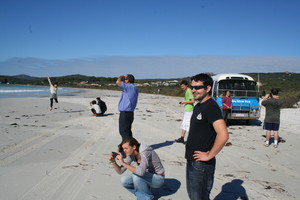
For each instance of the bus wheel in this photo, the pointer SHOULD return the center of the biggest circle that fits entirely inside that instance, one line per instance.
(247, 121)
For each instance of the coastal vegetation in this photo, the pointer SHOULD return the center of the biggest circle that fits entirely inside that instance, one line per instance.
(287, 83)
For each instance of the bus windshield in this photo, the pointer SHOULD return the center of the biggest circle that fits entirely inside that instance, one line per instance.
(238, 88)
(237, 85)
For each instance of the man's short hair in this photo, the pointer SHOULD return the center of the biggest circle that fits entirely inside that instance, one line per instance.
(205, 78)
(98, 98)
(274, 91)
(184, 82)
(130, 78)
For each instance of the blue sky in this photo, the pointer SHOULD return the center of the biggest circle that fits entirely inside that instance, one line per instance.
(148, 38)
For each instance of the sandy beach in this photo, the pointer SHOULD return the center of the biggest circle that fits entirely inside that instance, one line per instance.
(62, 154)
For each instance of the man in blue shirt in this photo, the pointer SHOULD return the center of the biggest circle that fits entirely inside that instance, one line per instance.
(127, 104)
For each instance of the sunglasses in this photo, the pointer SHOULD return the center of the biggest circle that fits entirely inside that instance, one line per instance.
(197, 87)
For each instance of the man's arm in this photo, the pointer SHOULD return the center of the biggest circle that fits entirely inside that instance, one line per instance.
(224, 102)
(120, 80)
(49, 81)
(226, 105)
(222, 137)
(191, 101)
(266, 97)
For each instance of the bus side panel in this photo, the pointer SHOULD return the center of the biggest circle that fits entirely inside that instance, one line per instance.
(245, 108)
(242, 108)
(245, 103)
(219, 101)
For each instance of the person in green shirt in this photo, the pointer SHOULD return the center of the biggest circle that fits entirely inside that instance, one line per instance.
(188, 103)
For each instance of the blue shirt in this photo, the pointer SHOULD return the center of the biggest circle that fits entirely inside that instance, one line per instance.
(129, 97)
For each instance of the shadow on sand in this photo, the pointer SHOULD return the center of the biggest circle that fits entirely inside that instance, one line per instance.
(232, 191)
(170, 187)
(72, 111)
(105, 115)
(163, 144)
(240, 122)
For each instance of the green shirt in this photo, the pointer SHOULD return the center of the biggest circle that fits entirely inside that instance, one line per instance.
(188, 107)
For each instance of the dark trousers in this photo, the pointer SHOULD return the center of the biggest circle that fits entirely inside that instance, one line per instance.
(51, 101)
(94, 111)
(125, 121)
(225, 113)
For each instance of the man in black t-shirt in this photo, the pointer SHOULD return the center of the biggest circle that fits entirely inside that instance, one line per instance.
(208, 134)
(102, 105)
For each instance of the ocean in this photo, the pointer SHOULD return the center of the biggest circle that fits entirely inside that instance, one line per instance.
(16, 91)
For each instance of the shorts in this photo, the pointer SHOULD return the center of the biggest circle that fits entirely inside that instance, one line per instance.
(185, 125)
(53, 96)
(271, 126)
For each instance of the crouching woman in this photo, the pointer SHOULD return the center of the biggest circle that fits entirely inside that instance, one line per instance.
(145, 165)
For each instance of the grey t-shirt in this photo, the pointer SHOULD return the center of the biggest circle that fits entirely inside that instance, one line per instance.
(272, 110)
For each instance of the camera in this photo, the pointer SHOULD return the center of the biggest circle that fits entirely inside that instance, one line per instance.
(114, 154)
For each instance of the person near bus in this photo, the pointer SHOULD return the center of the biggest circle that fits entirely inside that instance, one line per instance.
(207, 136)
(188, 103)
(272, 103)
(226, 105)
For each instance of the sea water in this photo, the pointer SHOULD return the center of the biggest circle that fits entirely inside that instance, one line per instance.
(15, 91)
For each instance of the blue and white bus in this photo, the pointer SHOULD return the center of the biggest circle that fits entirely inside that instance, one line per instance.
(244, 94)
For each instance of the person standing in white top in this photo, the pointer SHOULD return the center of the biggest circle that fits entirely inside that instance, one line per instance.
(53, 93)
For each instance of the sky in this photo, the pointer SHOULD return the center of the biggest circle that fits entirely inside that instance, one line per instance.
(148, 38)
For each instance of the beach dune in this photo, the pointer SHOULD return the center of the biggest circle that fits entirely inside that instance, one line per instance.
(62, 154)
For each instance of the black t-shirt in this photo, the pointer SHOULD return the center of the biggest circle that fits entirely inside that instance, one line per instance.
(102, 106)
(202, 134)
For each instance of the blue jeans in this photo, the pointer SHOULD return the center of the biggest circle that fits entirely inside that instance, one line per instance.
(141, 186)
(199, 179)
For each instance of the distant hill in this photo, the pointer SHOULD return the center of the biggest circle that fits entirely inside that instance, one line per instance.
(25, 77)
(287, 83)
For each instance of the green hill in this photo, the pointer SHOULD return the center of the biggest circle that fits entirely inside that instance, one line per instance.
(287, 83)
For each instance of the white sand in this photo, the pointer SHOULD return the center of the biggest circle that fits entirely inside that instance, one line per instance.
(62, 154)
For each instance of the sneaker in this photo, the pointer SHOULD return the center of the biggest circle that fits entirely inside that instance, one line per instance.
(275, 145)
(266, 145)
(50, 109)
(180, 140)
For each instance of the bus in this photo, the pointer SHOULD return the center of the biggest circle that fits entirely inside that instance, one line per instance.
(244, 93)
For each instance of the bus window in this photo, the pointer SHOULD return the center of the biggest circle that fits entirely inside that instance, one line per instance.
(242, 88)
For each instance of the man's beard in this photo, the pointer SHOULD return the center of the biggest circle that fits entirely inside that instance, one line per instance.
(201, 97)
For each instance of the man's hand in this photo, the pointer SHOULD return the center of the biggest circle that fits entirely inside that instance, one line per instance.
(120, 80)
(201, 156)
(111, 158)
